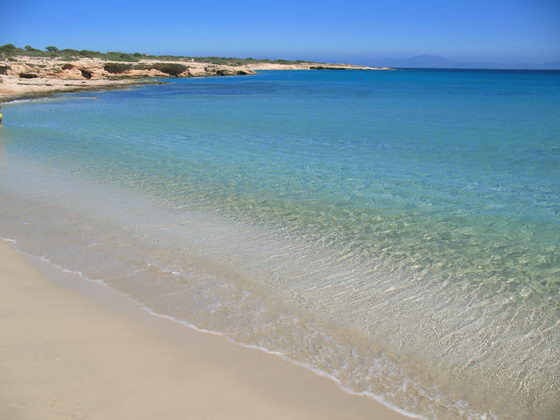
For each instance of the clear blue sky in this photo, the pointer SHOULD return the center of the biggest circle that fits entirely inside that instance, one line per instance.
(471, 30)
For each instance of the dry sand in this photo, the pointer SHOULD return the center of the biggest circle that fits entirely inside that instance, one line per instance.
(73, 349)
(14, 88)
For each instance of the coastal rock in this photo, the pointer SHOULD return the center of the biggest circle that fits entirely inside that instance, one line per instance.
(244, 72)
(86, 74)
(95, 69)
(28, 76)
(328, 68)
(197, 71)
(23, 76)
(226, 71)
(67, 73)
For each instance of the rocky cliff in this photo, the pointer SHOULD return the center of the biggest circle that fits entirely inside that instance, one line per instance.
(22, 77)
(95, 69)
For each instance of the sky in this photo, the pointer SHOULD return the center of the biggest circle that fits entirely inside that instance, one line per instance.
(500, 31)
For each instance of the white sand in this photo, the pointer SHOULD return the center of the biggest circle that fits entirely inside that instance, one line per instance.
(15, 88)
(72, 349)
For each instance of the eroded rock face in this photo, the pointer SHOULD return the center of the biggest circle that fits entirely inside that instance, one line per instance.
(86, 74)
(197, 72)
(88, 69)
(28, 76)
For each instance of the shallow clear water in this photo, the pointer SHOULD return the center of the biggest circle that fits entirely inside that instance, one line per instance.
(398, 231)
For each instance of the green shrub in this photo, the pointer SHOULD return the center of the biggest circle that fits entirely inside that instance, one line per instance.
(142, 66)
(28, 76)
(69, 51)
(7, 50)
(118, 56)
(117, 68)
(88, 53)
(8, 47)
(173, 69)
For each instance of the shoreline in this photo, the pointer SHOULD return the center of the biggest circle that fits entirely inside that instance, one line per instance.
(24, 77)
(28, 77)
(169, 369)
(118, 85)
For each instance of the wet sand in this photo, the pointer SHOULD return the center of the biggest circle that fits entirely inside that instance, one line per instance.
(13, 88)
(74, 349)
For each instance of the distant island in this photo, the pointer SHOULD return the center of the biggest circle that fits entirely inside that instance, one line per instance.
(29, 72)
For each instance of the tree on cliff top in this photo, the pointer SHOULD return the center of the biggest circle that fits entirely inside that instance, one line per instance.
(7, 50)
(51, 48)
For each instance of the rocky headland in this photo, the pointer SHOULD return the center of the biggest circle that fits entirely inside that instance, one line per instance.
(25, 77)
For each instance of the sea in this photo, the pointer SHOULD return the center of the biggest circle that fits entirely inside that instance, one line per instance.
(396, 231)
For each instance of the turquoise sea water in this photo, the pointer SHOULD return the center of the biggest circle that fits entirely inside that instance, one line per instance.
(398, 231)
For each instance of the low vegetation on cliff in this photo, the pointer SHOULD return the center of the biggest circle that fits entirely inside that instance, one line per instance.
(29, 71)
(10, 50)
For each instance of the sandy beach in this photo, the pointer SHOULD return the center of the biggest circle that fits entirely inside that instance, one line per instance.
(73, 349)
(13, 88)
